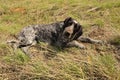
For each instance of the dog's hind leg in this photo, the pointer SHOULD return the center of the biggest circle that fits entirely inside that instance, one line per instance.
(89, 40)
(14, 44)
(25, 50)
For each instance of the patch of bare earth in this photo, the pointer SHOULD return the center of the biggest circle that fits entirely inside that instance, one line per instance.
(106, 34)
(103, 33)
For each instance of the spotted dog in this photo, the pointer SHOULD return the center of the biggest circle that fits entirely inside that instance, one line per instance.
(63, 34)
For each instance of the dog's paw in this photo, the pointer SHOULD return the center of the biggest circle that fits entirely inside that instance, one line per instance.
(99, 41)
(82, 47)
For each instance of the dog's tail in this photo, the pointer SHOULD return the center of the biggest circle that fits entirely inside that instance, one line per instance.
(13, 43)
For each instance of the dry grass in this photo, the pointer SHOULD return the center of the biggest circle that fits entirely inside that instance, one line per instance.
(100, 19)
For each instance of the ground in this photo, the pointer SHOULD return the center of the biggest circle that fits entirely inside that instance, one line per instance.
(100, 20)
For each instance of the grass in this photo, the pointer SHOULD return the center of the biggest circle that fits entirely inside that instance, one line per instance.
(115, 41)
(18, 58)
(95, 63)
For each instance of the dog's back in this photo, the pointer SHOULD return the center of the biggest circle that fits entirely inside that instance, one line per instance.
(44, 33)
(48, 33)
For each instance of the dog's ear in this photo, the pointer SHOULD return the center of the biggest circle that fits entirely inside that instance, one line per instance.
(68, 19)
(67, 22)
(78, 31)
(77, 27)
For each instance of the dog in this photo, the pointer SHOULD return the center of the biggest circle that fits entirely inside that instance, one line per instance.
(62, 34)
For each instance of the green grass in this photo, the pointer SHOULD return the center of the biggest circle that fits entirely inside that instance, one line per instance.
(17, 58)
(95, 63)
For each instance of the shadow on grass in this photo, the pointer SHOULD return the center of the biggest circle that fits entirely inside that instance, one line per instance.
(115, 41)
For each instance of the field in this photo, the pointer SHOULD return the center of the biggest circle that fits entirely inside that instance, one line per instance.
(100, 20)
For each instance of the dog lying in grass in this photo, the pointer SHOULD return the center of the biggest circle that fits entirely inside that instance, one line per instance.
(62, 34)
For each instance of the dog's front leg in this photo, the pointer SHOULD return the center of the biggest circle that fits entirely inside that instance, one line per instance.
(89, 40)
(76, 44)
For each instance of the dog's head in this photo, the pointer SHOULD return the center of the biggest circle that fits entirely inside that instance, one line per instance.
(71, 30)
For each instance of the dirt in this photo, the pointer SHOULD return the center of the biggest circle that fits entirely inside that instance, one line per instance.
(103, 33)
(109, 36)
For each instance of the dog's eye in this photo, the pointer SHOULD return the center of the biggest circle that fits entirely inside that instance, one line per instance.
(67, 34)
(70, 23)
